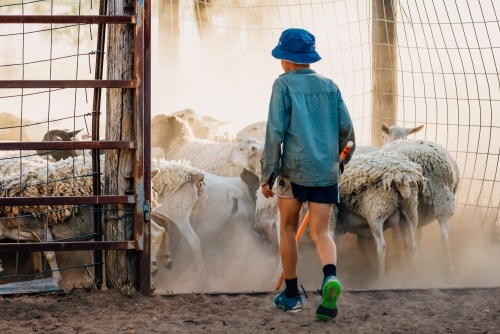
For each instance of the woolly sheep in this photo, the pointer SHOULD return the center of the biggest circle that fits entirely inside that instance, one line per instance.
(224, 200)
(179, 186)
(195, 122)
(396, 132)
(33, 223)
(255, 130)
(438, 199)
(177, 141)
(379, 190)
(62, 135)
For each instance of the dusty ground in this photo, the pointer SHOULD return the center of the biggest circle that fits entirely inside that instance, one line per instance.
(421, 311)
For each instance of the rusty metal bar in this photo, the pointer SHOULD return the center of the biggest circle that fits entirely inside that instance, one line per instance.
(83, 19)
(144, 285)
(67, 145)
(145, 255)
(66, 246)
(67, 83)
(66, 200)
(96, 162)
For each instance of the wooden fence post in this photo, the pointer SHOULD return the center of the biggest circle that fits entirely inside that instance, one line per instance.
(121, 265)
(384, 67)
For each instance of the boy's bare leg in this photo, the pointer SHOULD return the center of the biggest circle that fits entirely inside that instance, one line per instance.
(289, 224)
(318, 231)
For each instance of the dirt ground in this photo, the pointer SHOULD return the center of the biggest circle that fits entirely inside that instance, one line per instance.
(418, 311)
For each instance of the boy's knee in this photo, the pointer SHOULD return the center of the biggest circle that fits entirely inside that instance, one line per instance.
(317, 236)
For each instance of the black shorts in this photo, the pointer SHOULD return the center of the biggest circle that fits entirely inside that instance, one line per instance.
(326, 195)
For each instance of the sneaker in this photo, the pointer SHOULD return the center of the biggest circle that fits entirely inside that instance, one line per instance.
(330, 292)
(293, 304)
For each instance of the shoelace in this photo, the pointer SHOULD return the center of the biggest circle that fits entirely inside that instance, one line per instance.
(305, 294)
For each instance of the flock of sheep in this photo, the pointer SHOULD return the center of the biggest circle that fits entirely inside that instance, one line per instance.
(204, 178)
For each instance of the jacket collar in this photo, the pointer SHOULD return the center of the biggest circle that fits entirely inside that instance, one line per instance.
(301, 71)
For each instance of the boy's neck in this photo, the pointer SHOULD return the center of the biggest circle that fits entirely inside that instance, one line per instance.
(289, 66)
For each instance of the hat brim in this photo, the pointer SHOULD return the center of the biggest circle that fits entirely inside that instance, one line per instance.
(295, 57)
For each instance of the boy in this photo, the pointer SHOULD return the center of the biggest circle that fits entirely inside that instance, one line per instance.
(309, 118)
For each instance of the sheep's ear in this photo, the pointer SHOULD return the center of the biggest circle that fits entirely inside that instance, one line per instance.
(385, 128)
(71, 134)
(209, 119)
(254, 147)
(154, 172)
(180, 116)
(414, 130)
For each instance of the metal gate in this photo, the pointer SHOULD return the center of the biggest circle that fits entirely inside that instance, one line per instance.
(139, 197)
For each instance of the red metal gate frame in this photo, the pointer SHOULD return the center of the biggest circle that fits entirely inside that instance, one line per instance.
(141, 143)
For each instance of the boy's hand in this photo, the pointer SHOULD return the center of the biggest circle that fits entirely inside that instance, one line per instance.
(266, 191)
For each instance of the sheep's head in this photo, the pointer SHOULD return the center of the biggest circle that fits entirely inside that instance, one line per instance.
(247, 155)
(395, 132)
(256, 130)
(59, 135)
(166, 129)
(200, 129)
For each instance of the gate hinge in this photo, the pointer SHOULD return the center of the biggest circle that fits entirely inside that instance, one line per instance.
(147, 211)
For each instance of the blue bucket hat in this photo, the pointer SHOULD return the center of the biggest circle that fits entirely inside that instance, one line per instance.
(297, 46)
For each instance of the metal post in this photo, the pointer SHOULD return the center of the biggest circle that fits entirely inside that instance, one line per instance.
(96, 163)
(384, 67)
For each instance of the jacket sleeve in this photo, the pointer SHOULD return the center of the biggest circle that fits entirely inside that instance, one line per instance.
(346, 129)
(277, 123)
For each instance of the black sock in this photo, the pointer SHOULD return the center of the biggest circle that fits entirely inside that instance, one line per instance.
(292, 288)
(329, 270)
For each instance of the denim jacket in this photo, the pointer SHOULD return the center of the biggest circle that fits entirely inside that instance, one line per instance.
(307, 127)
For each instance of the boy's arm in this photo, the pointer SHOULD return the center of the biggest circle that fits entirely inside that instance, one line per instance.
(346, 129)
(277, 121)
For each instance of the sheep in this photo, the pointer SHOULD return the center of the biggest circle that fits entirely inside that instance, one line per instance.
(224, 199)
(379, 190)
(34, 224)
(62, 135)
(363, 149)
(177, 141)
(191, 117)
(395, 132)
(179, 186)
(438, 199)
(255, 130)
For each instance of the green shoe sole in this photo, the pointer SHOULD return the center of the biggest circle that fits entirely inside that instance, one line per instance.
(327, 309)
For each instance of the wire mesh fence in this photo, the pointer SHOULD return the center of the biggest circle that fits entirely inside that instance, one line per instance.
(42, 53)
(214, 56)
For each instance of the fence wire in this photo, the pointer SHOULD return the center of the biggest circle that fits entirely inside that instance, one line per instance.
(214, 57)
(45, 52)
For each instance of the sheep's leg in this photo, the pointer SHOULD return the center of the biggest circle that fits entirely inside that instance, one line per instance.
(164, 222)
(37, 264)
(377, 228)
(46, 236)
(445, 241)
(157, 235)
(187, 232)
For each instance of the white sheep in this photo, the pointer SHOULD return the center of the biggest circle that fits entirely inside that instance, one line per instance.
(178, 142)
(195, 122)
(438, 199)
(396, 132)
(256, 130)
(224, 200)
